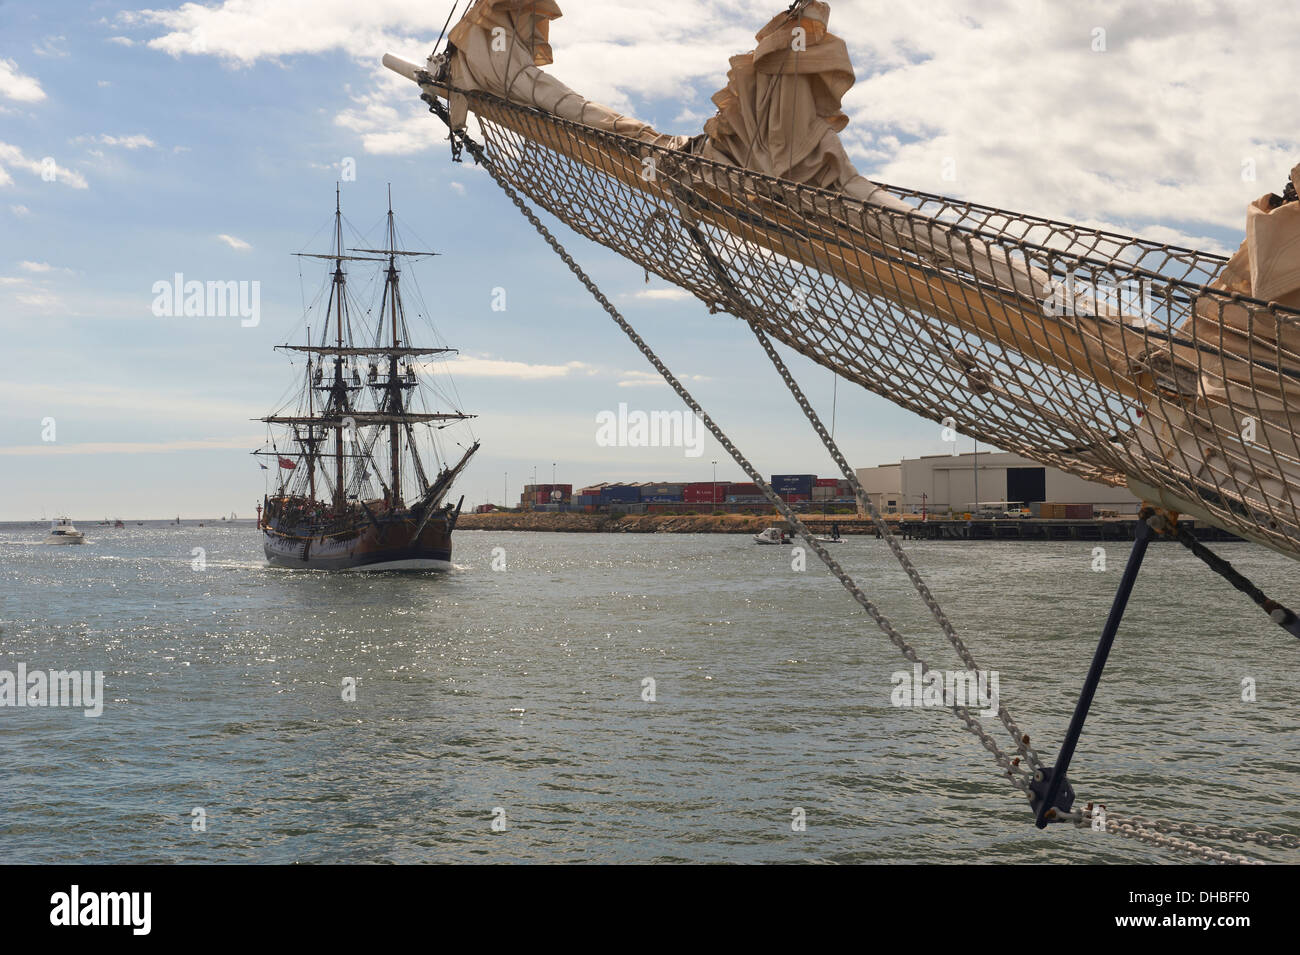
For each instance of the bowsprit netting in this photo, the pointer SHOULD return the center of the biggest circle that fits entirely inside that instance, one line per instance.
(1105, 355)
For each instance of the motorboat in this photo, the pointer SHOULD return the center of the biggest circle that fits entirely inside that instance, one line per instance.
(772, 535)
(62, 531)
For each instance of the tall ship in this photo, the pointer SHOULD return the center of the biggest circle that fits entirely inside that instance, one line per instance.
(362, 482)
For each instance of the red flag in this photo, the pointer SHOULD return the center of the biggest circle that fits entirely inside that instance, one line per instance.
(286, 463)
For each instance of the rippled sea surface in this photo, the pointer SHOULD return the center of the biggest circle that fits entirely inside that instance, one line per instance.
(517, 695)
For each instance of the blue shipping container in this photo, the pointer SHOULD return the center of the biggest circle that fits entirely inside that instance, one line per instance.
(625, 495)
(660, 498)
(793, 483)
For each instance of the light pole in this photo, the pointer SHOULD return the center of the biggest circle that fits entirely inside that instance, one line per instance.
(975, 469)
(714, 495)
(505, 489)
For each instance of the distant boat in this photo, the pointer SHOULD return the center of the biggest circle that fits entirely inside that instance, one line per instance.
(773, 535)
(118, 523)
(62, 531)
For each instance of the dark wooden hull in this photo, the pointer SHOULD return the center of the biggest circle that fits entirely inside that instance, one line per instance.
(387, 547)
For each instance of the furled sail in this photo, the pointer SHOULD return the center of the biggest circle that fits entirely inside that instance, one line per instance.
(1116, 358)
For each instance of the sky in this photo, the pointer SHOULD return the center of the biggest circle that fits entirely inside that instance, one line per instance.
(139, 142)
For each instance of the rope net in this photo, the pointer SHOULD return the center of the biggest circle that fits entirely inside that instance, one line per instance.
(1121, 360)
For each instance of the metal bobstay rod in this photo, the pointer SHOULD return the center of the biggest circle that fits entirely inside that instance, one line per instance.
(1053, 785)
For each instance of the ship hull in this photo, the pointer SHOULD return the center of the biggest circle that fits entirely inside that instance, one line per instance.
(369, 548)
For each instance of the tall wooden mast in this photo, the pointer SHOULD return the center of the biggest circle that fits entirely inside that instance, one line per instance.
(340, 389)
(394, 386)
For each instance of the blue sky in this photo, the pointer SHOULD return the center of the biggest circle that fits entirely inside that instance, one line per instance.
(207, 141)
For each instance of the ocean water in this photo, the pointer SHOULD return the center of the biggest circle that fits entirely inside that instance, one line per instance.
(515, 696)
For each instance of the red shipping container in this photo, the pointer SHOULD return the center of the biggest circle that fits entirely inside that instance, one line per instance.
(826, 482)
(743, 489)
(795, 498)
(1078, 512)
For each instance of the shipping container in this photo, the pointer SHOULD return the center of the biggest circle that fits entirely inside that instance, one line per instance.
(826, 482)
(746, 499)
(593, 489)
(1078, 512)
(659, 498)
(795, 498)
(743, 489)
(620, 493)
(821, 492)
(662, 490)
(793, 483)
(704, 492)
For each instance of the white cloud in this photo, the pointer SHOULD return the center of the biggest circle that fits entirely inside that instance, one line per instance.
(134, 141)
(103, 401)
(18, 210)
(663, 294)
(1154, 130)
(235, 243)
(40, 299)
(133, 447)
(121, 40)
(13, 157)
(36, 266)
(457, 187)
(51, 46)
(652, 379)
(469, 367)
(16, 86)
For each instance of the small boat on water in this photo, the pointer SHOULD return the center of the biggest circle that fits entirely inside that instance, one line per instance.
(835, 537)
(62, 531)
(772, 535)
(118, 523)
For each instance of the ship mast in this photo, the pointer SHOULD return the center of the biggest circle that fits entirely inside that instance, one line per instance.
(395, 404)
(340, 393)
(394, 389)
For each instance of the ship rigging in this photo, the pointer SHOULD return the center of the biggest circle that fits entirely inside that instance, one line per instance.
(354, 456)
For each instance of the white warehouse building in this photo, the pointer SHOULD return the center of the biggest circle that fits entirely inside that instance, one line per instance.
(942, 482)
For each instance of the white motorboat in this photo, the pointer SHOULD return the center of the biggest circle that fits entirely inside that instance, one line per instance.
(773, 535)
(62, 531)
